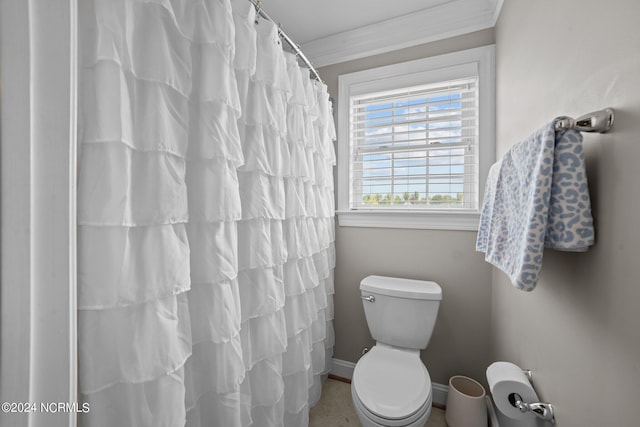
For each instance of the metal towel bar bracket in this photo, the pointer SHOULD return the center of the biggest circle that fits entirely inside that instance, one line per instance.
(599, 121)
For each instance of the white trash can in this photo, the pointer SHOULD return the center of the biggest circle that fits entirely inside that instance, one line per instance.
(466, 403)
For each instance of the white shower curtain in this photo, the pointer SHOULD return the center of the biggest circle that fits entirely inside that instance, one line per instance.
(205, 216)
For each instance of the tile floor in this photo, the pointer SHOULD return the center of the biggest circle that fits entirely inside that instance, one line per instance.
(335, 408)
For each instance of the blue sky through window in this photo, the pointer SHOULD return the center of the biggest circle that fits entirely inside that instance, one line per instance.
(405, 123)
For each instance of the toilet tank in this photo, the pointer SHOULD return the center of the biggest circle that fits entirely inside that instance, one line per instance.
(402, 312)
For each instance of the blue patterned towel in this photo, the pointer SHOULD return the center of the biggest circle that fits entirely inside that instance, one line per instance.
(536, 197)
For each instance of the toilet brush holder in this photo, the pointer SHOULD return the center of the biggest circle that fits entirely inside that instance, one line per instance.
(466, 405)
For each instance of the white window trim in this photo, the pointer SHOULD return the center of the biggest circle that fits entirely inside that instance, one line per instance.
(387, 77)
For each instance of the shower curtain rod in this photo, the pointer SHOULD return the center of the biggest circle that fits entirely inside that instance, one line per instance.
(286, 38)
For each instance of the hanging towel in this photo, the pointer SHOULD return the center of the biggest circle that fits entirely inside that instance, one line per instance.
(535, 197)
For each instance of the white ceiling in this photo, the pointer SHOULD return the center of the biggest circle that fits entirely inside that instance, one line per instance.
(332, 31)
(308, 20)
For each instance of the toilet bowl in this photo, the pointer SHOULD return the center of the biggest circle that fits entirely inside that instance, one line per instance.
(391, 386)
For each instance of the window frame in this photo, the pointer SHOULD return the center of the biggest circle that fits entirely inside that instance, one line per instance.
(432, 69)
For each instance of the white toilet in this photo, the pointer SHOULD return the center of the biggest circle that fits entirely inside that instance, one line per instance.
(391, 386)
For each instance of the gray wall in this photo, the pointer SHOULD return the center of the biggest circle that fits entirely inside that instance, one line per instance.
(461, 340)
(579, 330)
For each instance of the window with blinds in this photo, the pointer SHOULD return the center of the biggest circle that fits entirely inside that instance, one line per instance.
(415, 148)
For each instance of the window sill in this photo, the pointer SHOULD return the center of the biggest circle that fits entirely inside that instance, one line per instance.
(440, 220)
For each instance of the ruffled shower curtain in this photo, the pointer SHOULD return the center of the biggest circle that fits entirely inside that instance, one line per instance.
(206, 233)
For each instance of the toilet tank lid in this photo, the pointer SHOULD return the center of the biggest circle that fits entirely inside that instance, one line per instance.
(402, 288)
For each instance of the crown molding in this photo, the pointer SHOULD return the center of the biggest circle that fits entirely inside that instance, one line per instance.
(450, 19)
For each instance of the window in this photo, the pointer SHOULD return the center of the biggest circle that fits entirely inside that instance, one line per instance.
(415, 147)
(416, 142)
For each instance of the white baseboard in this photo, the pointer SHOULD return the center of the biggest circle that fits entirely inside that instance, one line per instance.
(344, 369)
(440, 392)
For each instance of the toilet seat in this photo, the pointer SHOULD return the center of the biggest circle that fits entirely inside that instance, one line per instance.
(392, 385)
(418, 419)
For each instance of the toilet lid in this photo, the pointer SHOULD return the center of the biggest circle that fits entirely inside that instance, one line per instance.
(391, 383)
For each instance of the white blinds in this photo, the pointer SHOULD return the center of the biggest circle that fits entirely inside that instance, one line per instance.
(415, 147)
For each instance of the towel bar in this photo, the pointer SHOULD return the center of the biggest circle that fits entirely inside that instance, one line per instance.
(598, 121)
